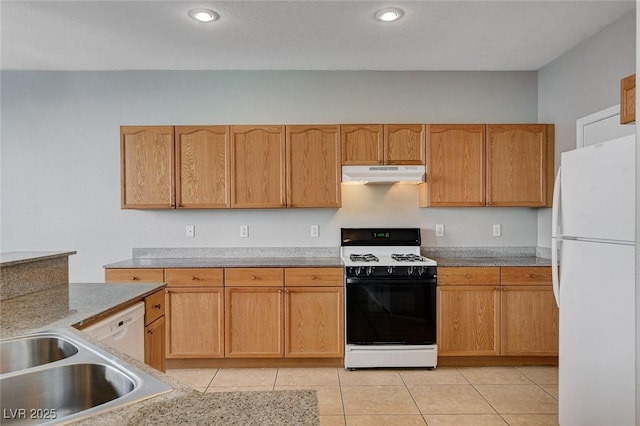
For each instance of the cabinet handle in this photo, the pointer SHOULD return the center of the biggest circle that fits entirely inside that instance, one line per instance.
(279, 291)
(194, 278)
(150, 331)
(253, 277)
(497, 288)
(489, 203)
(468, 276)
(134, 278)
(532, 275)
(157, 306)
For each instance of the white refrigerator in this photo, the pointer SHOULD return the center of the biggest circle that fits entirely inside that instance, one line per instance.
(593, 226)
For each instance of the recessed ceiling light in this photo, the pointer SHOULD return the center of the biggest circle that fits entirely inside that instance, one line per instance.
(204, 15)
(389, 14)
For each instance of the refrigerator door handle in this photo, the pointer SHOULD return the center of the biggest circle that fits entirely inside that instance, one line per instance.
(555, 211)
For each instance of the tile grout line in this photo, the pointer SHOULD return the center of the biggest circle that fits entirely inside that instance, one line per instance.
(344, 412)
(413, 399)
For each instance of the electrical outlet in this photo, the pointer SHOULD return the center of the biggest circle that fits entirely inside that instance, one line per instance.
(497, 230)
(191, 231)
(439, 230)
(244, 231)
(315, 232)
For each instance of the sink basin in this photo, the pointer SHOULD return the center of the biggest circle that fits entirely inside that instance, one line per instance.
(63, 390)
(26, 352)
(56, 376)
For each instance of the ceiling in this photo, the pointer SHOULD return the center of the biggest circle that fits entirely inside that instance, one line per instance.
(296, 35)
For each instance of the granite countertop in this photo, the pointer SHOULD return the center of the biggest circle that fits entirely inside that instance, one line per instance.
(229, 262)
(16, 257)
(492, 261)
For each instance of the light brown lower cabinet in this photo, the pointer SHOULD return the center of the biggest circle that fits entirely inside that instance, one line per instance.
(515, 315)
(154, 344)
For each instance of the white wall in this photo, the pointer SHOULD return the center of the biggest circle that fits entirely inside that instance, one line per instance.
(582, 81)
(61, 158)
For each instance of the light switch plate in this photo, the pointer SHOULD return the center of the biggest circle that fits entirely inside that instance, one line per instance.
(497, 230)
(244, 231)
(439, 230)
(315, 232)
(191, 231)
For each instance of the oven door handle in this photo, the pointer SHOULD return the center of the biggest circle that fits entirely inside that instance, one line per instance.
(390, 281)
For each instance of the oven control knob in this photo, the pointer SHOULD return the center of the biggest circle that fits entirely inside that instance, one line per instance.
(359, 270)
(410, 270)
(369, 268)
(390, 270)
(421, 270)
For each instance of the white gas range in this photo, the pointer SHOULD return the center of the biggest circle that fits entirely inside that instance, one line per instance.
(390, 299)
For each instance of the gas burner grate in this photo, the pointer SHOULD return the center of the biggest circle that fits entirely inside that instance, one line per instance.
(407, 257)
(363, 258)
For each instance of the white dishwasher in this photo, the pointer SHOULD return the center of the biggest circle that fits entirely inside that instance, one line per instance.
(123, 331)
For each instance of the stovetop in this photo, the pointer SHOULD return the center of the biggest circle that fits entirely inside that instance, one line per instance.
(385, 258)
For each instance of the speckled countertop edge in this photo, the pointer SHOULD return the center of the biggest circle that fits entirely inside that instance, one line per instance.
(221, 262)
(17, 257)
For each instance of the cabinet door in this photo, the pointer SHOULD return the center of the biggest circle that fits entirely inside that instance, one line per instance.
(195, 322)
(202, 167)
(134, 275)
(455, 166)
(314, 325)
(146, 167)
(154, 344)
(257, 166)
(519, 165)
(404, 144)
(313, 166)
(529, 316)
(254, 322)
(362, 144)
(468, 320)
(628, 99)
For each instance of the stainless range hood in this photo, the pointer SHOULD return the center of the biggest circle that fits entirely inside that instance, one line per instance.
(383, 174)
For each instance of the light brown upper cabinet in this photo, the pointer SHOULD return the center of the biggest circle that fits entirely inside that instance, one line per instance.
(313, 166)
(520, 168)
(628, 99)
(382, 144)
(258, 167)
(146, 167)
(493, 165)
(202, 170)
(455, 166)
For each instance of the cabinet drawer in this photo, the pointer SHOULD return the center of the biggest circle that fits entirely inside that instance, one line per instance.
(195, 277)
(153, 307)
(137, 275)
(314, 277)
(536, 275)
(254, 277)
(468, 275)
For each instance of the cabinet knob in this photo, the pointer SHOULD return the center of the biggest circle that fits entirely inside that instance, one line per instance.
(497, 288)
(134, 278)
(489, 203)
(532, 275)
(468, 276)
(253, 277)
(313, 277)
(194, 278)
(157, 306)
(150, 331)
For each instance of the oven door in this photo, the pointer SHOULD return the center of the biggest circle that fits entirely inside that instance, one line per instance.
(390, 311)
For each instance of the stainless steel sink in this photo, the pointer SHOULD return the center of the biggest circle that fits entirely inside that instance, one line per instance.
(71, 387)
(26, 352)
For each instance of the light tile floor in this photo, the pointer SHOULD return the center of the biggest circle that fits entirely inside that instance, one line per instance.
(475, 396)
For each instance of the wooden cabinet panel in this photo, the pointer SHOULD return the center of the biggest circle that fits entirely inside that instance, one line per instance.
(254, 277)
(194, 277)
(529, 318)
(202, 172)
(313, 322)
(468, 320)
(154, 307)
(147, 173)
(455, 166)
(313, 166)
(136, 275)
(154, 344)
(254, 322)
(313, 277)
(628, 99)
(195, 318)
(258, 166)
(362, 143)
(404, 144)
(519, 159)
(468, 275)
(532, 275)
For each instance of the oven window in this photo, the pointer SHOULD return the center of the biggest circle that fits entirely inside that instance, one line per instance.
(389, 313)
